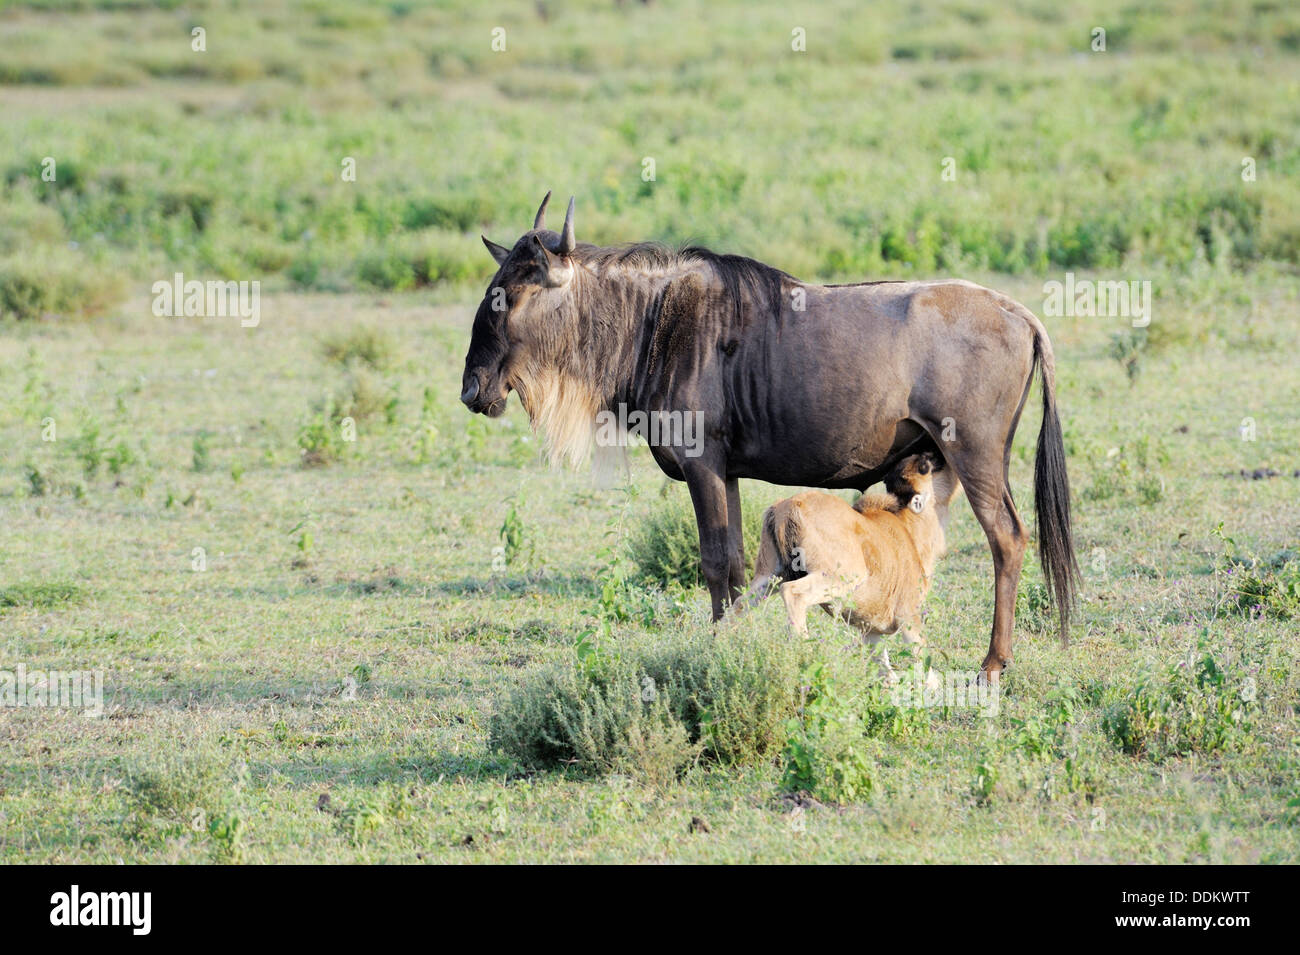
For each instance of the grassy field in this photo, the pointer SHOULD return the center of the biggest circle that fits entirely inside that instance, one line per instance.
(308, 642)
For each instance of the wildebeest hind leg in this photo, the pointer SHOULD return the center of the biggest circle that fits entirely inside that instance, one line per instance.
(984, 477)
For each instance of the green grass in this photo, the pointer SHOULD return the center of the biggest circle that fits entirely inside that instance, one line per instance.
(39, 595)
(308, 641)
(230, 162)
(367, 665)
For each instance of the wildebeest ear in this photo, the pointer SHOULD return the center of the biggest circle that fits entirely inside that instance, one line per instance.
(557, 270)
(499, 252)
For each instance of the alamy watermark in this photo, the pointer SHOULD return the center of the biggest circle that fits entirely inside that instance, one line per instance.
(70, 689)
(659, 429)
(130, 909)
(1086, 298)
(213, 299)
(953, 689)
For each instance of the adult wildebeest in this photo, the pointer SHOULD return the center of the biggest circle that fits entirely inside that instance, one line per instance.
(797, 384)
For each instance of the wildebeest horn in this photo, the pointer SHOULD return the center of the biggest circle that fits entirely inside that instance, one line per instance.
(540, 221)
(567, 242)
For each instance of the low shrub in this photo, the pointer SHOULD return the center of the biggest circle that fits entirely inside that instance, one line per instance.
(1194, 706)
(365, 344)
(846, 712)
(1268, 587)
(40, 595)
(665, 545)
(1130, 469)
(323, 437)
(1254, 586)
(320, 438)
(385, 269)
(1127, 348)
(1034, 608)
(186, 795)
(825, 752)
(1044, 752)
(35, 285)
(650, 708)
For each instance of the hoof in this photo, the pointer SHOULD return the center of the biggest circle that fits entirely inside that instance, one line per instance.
(990, 671)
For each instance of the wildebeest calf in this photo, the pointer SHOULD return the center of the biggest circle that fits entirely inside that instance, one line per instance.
(878, 554)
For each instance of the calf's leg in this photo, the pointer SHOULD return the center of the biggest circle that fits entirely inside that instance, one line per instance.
(915, 639)
(758, 591)
(803, 594)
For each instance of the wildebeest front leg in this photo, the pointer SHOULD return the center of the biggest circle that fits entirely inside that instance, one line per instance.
(735, 541)
(709, 496)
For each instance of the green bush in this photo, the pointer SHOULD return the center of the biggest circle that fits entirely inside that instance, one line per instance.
(40, 595)
(846, 713)
(1254, 586)
(650, 707)
(1008, 774)
(318, 271)
(29, 223)
(1269, 587)
(826, 748)
(385, 269)
(321, 438)
(40, 284)
(1034, 608)
(665, 545)
(1127, 348)
(1044, 752)
(192, 795)
(1128, 469)
(439, 257)
(453, 213)
(365, 395)
(1194, 706)
(366, 344)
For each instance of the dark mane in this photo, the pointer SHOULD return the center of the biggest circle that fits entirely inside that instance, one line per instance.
(743, 279)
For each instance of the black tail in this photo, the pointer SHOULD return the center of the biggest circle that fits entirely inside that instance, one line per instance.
(1052, 497)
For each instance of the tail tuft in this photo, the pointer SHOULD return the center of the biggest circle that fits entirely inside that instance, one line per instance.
(1052, 500)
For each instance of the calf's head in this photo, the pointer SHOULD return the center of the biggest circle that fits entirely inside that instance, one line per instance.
(911, 480)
